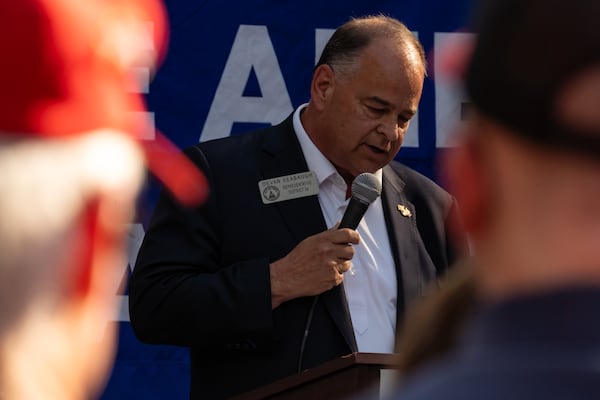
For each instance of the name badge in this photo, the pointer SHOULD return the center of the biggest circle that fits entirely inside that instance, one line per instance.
(288, 187)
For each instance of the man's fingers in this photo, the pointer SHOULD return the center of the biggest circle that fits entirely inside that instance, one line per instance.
(345, 253)
(344, 267)
(344, 236)
(341, 266)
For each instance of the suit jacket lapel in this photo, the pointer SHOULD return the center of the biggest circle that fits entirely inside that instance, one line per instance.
(414, 267)
(336, 303)
(282, 155)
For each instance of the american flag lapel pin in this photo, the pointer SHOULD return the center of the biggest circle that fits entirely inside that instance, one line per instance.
(404, 211)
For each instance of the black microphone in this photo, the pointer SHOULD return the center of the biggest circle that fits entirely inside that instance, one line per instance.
(365, 189)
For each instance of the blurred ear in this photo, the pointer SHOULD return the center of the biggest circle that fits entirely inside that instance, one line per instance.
(577, 101)
(99, 253)
(91, 283)
(322, 86)
(466, 179)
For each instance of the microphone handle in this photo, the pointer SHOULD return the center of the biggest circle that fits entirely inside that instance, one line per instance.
(353, 214)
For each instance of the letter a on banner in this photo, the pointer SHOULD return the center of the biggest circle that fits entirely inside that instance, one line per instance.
(252, 49)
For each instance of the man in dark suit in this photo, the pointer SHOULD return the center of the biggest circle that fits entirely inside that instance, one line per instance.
(252, 280)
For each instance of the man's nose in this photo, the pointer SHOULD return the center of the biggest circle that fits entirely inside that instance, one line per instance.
(390, 129)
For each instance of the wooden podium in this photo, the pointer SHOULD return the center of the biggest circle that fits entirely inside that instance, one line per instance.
(351, 375)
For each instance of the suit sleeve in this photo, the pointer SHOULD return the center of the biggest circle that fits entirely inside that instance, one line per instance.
(182, 293)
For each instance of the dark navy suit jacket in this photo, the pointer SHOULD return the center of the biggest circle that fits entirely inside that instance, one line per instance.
(202, 275)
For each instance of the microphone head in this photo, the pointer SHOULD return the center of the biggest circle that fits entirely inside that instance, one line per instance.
(366, 187)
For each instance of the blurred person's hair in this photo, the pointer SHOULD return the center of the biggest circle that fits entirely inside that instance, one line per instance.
(528, 56)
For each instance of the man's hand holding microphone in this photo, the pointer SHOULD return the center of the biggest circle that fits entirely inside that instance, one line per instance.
(318, 263)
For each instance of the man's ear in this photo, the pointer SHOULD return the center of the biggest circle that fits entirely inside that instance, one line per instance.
(322, 86)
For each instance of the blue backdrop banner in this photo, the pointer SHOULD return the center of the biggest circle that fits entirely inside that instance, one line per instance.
(237, 65)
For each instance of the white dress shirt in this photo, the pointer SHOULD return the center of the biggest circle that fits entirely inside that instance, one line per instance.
(370, 285)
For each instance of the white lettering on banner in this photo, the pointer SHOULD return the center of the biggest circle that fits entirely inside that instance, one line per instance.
(252, 49)
(411, 137)
(134, 242)
(141, 52)
(450, 98)
(143, 32)
(321, 38)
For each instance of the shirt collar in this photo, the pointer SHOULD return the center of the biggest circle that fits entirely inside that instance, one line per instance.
(316, 161)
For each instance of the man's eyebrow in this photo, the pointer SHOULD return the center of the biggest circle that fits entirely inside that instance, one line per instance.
(408, 112)
(379, 100)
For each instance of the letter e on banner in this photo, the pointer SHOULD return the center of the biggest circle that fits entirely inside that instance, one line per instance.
(450, 98)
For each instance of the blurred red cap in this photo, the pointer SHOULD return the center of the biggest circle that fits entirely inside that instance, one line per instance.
(67, 68)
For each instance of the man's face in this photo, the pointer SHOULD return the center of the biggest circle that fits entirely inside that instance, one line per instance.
(367, 111)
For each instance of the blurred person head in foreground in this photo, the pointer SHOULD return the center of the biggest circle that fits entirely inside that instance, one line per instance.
(70, 170)
(527, 176)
